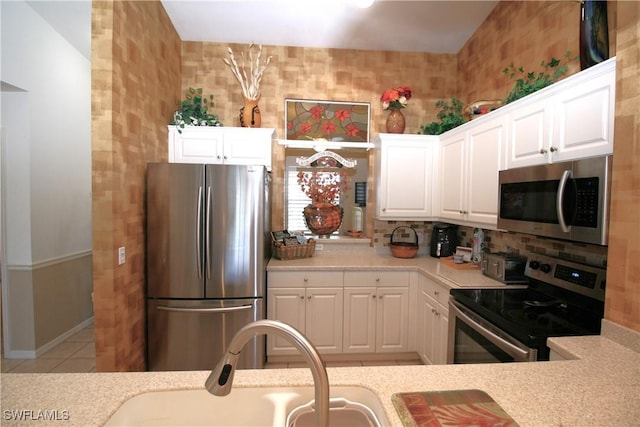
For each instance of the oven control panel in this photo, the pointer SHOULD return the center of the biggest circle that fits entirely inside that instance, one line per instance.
(581, 278)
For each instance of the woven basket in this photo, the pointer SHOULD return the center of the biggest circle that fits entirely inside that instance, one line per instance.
(404, 249)
(283, 252)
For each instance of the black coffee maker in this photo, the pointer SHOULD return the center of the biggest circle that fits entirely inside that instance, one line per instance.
(444, 240)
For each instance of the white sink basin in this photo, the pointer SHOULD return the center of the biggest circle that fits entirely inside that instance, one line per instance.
(253, 406)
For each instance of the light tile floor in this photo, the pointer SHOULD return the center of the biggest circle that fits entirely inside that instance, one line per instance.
(76, 354)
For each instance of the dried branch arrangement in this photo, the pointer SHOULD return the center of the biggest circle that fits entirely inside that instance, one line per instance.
(250, 82)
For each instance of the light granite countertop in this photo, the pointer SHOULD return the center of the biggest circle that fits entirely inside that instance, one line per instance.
(602, 388)
(382, 260)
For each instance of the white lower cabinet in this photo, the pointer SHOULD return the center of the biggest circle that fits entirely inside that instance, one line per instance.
(316, 312)
(433, 319)
(364, 311)
(375, 319)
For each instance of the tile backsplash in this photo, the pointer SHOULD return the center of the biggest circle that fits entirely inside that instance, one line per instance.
(496, 241)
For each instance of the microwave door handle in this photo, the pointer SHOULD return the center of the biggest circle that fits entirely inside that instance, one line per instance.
(517, 353)
(566, 176)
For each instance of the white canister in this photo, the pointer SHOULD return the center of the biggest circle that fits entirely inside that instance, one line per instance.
(356, 219)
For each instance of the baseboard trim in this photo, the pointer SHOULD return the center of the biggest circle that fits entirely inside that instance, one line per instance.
(34, 354)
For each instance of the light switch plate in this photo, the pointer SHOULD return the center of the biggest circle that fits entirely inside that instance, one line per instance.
(121, 255)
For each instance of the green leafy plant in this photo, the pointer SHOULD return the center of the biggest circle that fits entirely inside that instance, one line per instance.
(530, 82)
(450, 116)
(194, 111)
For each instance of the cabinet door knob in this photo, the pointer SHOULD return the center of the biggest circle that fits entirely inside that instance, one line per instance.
(301, 296)
(553, 149)
(309, 297)
(433, 310)
(377, 279)
(305, 279)
(225, 157)
(436, 292)
(384, 209)
(543, 151)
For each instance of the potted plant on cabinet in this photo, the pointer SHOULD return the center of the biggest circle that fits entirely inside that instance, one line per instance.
(194, 111)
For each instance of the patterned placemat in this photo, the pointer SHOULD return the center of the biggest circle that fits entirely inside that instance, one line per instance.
(450, 408)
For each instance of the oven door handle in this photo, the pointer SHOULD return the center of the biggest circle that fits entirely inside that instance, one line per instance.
(517, 353)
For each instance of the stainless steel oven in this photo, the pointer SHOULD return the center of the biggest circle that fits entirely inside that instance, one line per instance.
(568, 200)
(472, 339)
(512, 324)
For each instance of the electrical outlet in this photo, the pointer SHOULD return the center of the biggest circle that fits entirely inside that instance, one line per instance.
(319, 247)
(121, 255)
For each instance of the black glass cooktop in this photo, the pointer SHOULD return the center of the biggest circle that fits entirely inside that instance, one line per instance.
(533, 314)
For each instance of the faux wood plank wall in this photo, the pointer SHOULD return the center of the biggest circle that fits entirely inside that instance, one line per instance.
(135, 80)
(622, 305)
(324, 74)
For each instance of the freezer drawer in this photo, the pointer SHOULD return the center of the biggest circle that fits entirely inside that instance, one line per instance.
(193, 334)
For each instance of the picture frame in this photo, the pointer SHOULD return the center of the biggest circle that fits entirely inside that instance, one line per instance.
(336, 121)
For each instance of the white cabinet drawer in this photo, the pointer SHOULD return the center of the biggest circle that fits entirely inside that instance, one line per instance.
(304, 278)
(376, 278)
(435, 291)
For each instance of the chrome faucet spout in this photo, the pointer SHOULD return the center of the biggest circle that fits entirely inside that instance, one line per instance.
(221, 378)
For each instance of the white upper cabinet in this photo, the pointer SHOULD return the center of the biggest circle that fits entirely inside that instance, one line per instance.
(221, 145)
(470, 159)
(572, 119)
(406, 174)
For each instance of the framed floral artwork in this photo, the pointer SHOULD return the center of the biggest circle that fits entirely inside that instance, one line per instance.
(327, 120)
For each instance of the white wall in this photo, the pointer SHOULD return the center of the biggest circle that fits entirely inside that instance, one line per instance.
(46, 123)
(57, 79)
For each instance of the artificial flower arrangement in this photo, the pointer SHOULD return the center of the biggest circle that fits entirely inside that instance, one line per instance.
(395, 99)
(322, 186)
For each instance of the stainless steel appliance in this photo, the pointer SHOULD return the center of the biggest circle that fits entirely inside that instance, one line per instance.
(505, 268)
(512, 324)
(207, 249)
(568, 200)
(444, 239)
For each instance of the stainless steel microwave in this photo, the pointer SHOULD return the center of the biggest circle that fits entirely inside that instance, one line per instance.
(568, 200)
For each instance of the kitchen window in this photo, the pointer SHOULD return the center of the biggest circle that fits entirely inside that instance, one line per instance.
(296, 201)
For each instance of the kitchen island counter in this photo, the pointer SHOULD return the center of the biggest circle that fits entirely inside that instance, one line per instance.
(602, 389)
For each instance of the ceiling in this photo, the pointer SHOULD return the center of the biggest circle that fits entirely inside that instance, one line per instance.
(410, 26)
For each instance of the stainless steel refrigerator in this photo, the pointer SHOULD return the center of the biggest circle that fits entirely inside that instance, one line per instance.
(207, 250)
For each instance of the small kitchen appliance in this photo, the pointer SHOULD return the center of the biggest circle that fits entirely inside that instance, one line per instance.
(444, 239)
(505, 268)
(562, 298)
(567, 200)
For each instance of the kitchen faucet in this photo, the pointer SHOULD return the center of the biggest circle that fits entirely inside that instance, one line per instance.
(221, 378)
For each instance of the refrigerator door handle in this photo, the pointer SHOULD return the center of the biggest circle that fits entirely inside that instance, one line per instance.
(206, 310)
(198, 230)
(206, 233)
